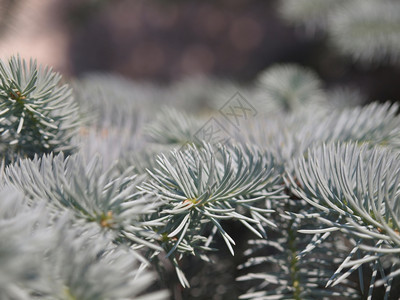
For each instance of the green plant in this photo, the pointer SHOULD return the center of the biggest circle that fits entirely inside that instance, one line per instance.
(367, 31)
(304, 195)
(37, 115)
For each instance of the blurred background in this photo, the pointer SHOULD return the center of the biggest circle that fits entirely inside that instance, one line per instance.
(165, 41)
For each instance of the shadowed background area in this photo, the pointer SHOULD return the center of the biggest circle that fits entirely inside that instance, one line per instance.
(163, 42)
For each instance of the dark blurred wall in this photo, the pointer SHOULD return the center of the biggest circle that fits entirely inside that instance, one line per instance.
(164, 41)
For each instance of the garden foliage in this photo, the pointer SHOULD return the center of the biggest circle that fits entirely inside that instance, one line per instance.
(107, 194)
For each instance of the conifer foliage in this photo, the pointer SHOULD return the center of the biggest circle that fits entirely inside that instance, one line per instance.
(303, 194)
(365, 30)
(37, 114)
